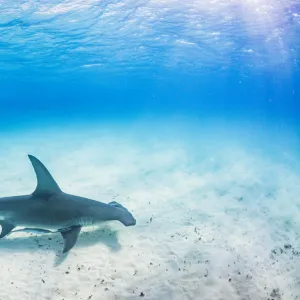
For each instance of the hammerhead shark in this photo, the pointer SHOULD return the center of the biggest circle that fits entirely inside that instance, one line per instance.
(49, 209)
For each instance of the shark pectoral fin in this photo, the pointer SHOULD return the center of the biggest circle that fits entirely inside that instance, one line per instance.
(45, 182)
(70, 237)
(6, 229)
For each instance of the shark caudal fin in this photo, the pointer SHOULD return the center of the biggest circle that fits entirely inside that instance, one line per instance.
(46, 185)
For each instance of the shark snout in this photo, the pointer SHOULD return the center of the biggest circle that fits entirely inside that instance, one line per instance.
(131, 221)
(123, 215)
(127, 219)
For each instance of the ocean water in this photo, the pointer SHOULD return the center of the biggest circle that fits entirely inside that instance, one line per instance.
(185, 112)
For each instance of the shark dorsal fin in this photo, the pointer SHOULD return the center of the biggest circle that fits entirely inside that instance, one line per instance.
(45, 182)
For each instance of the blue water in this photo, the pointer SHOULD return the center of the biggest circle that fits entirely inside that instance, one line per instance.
(117, 58)
(187, 112)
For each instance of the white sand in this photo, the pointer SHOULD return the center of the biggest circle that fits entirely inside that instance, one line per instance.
(211, 204)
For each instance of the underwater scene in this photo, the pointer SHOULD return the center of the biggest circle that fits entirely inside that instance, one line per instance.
(150, 149)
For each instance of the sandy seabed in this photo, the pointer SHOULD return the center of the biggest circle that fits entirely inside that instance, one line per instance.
(217, 213)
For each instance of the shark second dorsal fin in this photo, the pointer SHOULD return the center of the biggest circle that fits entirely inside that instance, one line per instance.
(46, 184)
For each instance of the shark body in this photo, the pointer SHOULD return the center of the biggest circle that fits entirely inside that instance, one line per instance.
(49, 209)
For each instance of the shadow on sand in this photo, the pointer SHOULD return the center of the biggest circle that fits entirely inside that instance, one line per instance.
(54, 241)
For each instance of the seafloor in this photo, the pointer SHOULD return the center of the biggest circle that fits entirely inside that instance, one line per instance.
(216, 203)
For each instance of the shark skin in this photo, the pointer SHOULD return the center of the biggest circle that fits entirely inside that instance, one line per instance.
(49, 209)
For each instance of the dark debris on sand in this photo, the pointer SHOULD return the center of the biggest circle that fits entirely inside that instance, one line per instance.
(275, 294)
(286, 249)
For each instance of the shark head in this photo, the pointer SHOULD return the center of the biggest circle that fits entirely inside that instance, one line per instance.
(123, 215)
(127, 219)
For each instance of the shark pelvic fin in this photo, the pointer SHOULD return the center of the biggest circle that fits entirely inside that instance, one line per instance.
(70, 237)
(6, 228)
(45, 182)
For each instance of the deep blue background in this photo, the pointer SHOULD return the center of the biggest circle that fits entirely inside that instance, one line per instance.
(44, 78)
(265, 95)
